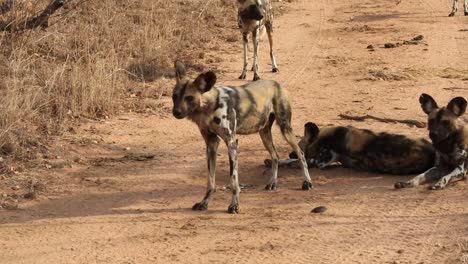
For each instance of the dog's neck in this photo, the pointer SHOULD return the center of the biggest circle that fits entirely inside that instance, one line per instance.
(208, 105)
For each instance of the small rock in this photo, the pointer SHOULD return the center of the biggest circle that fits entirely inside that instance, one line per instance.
(30, 195)
(389, 45)
(319, 209)
(370, 47)
(127, 148)
(16, 187)
(400, 251)
(418, 38)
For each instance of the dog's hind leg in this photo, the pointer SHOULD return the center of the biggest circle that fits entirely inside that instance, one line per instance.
(459, 171)
(283, 118)
(269, 29)
(212, 143)
(267, 140)
(245, 40)
(255, 36)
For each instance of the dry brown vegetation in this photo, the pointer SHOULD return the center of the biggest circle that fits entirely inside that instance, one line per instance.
(89, 56)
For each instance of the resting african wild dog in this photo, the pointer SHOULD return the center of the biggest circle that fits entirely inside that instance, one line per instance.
(364, 150)
(223, 112)
(254, 17)
(449, 136)
(455, 8)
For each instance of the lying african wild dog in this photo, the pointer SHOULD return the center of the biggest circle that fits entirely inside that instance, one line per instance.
(255, 16)
(455, 8)
(224, 112)
(449, 136)
(363, 149)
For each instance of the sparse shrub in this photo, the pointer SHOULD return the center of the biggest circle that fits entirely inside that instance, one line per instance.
(88, 56)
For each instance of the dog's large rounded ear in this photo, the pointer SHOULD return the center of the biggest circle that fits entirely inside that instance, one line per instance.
(311, 131)
(180, 71)
(428, 104)
(205, 81)
(457, 105)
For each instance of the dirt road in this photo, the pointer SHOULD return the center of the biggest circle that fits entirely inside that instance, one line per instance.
(114, 208)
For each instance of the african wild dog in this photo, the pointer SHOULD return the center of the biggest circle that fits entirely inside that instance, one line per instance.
(224, 112)
(455, 8)
(363, 149)
(449, 136)
(255, 16)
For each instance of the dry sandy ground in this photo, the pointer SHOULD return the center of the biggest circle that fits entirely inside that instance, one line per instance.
(112, 208)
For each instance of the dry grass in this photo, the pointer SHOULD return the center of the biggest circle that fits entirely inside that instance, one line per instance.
(391, 74)
(89, 56)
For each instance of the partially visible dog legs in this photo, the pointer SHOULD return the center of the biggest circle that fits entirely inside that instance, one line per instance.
(288, 135)
(267, 140)
(232, 149)
(212, 143)
(269, 29)
(432, 174)
(255, 36)
(459, 171)
(245, 39)
(454, 8)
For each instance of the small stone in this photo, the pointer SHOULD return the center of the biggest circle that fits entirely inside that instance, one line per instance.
(400, 251)
(16, 187)
(389, 45)
(370, 47)
(30, 195)
(319, 210)
(418, 38)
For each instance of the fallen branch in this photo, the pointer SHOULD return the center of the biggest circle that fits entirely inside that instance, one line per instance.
(409, 122)
(40, 20)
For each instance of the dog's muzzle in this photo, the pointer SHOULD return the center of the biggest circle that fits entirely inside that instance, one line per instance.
(253, 12)
(177, 114)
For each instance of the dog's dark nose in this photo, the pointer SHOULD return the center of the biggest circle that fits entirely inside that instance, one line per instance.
(177, 113)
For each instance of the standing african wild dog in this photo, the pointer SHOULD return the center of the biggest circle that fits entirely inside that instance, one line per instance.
(255, 16)
(449, 136)
(455, 8)
(224, 112)
(363, 149)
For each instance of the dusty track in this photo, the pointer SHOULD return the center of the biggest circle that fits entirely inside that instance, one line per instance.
(118, 210)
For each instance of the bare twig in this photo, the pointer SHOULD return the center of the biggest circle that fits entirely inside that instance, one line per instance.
(40, 20)
(409, 122)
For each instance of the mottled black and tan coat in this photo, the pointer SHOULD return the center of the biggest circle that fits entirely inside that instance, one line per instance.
(224, 112)
(365, 150)
(449, 135)
(255, 16)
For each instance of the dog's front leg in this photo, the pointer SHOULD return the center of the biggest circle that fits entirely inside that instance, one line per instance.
(255, 35)
(212, 142)
(232, 149)
(245, 40)
(454, 8)
(459, 171)
(432, 174)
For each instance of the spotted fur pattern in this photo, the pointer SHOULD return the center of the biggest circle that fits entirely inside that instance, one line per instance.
(224, 112)
(449, 136)
(255, 16)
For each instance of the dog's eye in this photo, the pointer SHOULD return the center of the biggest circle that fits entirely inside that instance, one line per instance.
(189, 99)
